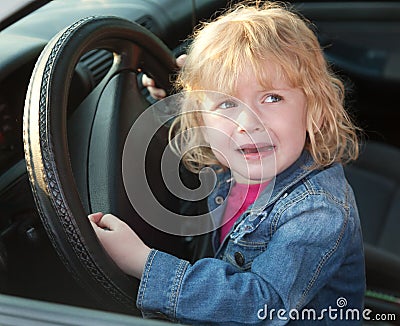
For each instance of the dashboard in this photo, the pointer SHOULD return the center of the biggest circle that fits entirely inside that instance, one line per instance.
(9, 143)
(12, 95)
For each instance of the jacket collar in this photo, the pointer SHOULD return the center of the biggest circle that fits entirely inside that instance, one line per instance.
(291, 176)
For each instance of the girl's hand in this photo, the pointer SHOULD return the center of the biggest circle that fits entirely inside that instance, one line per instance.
(155, 92)
(121, 243)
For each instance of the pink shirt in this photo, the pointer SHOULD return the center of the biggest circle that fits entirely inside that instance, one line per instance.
(240, 198)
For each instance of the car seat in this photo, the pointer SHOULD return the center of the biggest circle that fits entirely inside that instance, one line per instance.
(375, 178)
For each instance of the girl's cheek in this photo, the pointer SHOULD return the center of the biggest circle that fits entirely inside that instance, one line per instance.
(220, 157)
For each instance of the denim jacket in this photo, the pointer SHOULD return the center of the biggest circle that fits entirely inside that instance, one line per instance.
(299, 260)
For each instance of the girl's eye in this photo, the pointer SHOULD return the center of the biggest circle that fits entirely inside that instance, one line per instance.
(227, 105)
(273, 98)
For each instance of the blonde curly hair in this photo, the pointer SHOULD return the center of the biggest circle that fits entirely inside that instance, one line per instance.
(245, 37)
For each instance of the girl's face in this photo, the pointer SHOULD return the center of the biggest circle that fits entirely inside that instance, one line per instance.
(260, 132)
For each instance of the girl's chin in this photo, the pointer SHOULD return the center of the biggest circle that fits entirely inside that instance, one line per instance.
(254, 176)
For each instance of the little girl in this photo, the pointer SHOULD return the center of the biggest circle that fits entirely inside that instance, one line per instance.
(277, 135)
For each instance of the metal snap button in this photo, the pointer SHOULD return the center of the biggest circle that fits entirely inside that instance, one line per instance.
(219, 200)
(239, 258)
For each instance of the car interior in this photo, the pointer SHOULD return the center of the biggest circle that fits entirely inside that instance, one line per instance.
(75, 66)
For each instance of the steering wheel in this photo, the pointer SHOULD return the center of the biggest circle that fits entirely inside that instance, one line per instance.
(74, 159)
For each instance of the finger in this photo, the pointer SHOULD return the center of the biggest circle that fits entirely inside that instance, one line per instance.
(157, 93)
(109, 222)
(147, 81)
(95, 227)
(180, 61)
(95, 217)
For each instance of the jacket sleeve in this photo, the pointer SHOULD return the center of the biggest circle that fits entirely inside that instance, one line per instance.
(306, 249)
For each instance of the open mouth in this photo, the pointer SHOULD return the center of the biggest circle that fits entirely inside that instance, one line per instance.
(256, 150)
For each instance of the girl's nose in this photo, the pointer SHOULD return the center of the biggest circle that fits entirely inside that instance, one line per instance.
(248, 121)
